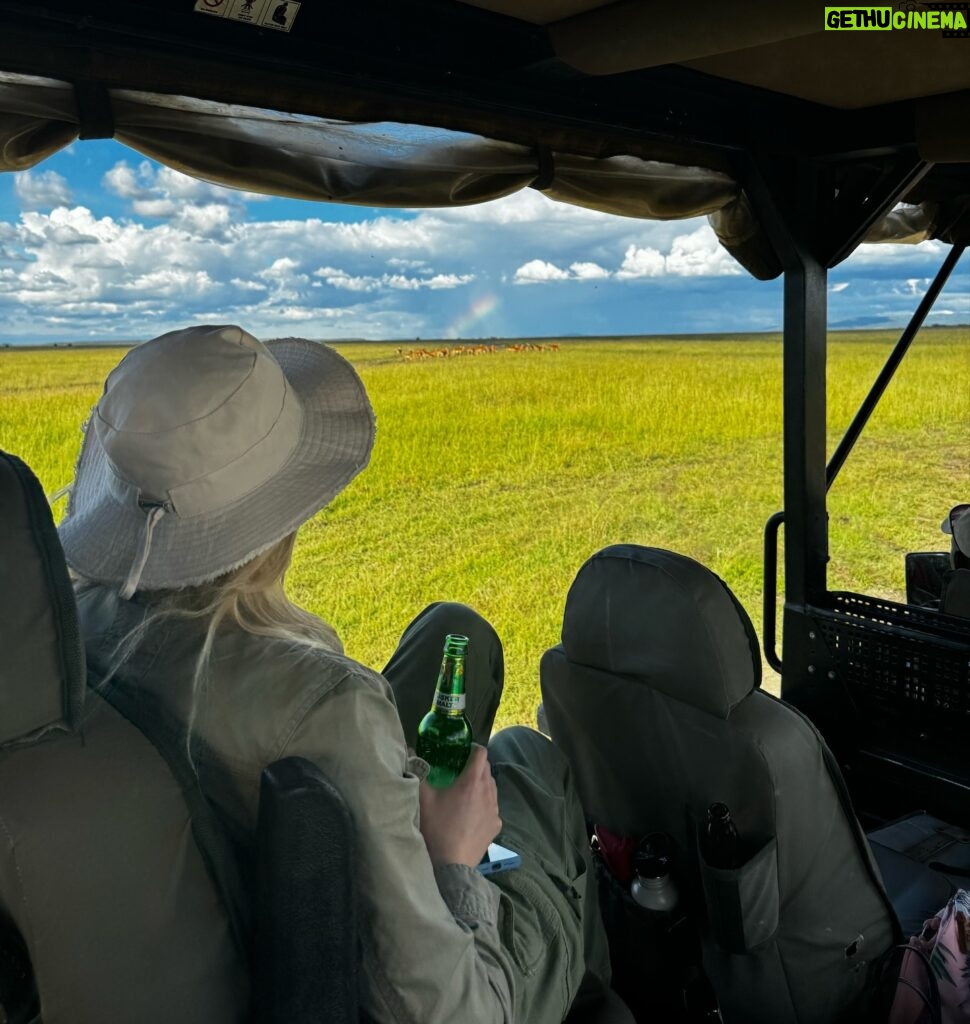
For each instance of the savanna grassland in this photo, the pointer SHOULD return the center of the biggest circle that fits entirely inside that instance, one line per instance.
(495, 476)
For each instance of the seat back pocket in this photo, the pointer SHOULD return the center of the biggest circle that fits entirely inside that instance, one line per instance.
(742, 903)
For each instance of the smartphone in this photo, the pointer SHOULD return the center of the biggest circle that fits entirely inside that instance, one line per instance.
(498, 858)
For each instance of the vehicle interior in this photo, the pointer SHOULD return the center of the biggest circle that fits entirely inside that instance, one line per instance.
(799, 144)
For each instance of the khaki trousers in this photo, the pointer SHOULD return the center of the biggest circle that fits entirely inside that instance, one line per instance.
(549, 918)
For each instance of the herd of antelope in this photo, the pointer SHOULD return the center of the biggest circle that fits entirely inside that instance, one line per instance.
(473, 350)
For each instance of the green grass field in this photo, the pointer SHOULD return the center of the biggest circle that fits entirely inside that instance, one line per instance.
(494, 477)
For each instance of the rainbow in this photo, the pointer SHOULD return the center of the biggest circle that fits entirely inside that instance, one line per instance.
(479, 308)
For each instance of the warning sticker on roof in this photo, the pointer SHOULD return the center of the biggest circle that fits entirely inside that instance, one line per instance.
(217, 7)
(278, 15)
(246, 10)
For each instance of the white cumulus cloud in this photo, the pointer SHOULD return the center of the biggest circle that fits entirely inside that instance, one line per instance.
(917, 286)
(697, 254)
(586, 271)
(539, 271)
(170, 282)
(38, 190)
(157, 209)
(337, 278)
(440, 281)
(126, 182)
(341, 279)
(641, 262)
(161, 193)
(890, 253)
(205, 220)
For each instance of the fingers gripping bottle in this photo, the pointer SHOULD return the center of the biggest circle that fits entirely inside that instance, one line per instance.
(444, 735)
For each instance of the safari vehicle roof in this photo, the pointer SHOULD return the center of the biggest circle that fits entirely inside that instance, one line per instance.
(744, 90)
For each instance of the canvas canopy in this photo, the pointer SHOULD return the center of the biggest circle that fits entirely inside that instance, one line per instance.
(382, 164)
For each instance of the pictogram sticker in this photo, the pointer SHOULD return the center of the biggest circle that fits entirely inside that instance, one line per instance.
(216, 7)
(280, 14)
(247, 10)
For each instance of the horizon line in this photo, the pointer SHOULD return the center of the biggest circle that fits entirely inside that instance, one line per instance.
(130, 343)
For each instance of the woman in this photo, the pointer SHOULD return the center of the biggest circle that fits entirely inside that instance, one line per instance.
(204, 455)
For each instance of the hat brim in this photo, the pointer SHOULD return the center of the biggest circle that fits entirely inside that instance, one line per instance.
(101, 532)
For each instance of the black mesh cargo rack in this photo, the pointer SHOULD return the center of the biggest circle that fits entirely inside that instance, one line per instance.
(899, 659)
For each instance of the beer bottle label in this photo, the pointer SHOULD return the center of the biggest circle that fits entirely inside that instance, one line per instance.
(449, 702)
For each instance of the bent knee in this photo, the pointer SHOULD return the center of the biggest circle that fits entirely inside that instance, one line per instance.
(454, 617)
(518, 744)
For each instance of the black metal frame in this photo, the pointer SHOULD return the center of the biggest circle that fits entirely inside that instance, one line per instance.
(845, 446)
(903, 719)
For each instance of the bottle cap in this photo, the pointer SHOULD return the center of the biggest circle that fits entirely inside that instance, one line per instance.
(718, 812)
(652, 857)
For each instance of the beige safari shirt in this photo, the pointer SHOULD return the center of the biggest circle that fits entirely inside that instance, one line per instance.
(431, 951)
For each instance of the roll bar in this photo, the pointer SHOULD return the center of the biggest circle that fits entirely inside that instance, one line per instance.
(845, 446)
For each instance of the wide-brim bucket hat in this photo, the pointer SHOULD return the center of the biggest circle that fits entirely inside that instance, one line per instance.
(205, 449)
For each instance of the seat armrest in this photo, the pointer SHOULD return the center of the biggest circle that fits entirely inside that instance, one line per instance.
(609, 1009)
(19, 1001)
(306, 903)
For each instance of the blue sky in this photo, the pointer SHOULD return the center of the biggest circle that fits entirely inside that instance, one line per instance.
(98, 243)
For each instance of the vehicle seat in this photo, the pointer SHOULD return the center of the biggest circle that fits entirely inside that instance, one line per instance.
(653, 695)
(99, 872)
(955, 599)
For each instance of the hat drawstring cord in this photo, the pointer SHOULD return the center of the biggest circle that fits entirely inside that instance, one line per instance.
(134, 574)
(60, 493)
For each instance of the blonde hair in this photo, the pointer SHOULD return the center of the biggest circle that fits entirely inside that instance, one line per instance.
(250, 597)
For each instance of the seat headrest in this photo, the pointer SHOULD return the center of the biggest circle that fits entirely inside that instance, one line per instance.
(666, 620)
(41, 655)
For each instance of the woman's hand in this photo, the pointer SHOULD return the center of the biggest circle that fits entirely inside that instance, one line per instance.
(459, 822)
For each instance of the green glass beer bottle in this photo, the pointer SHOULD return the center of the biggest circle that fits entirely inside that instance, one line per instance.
(444, 735)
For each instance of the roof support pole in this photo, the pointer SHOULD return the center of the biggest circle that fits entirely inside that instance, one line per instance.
(785, 196)
(806, 524)
(789, 201)
(803, 386)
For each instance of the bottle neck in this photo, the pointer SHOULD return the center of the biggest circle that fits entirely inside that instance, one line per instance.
(449, 694)
(654, 883)
(656, 894)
